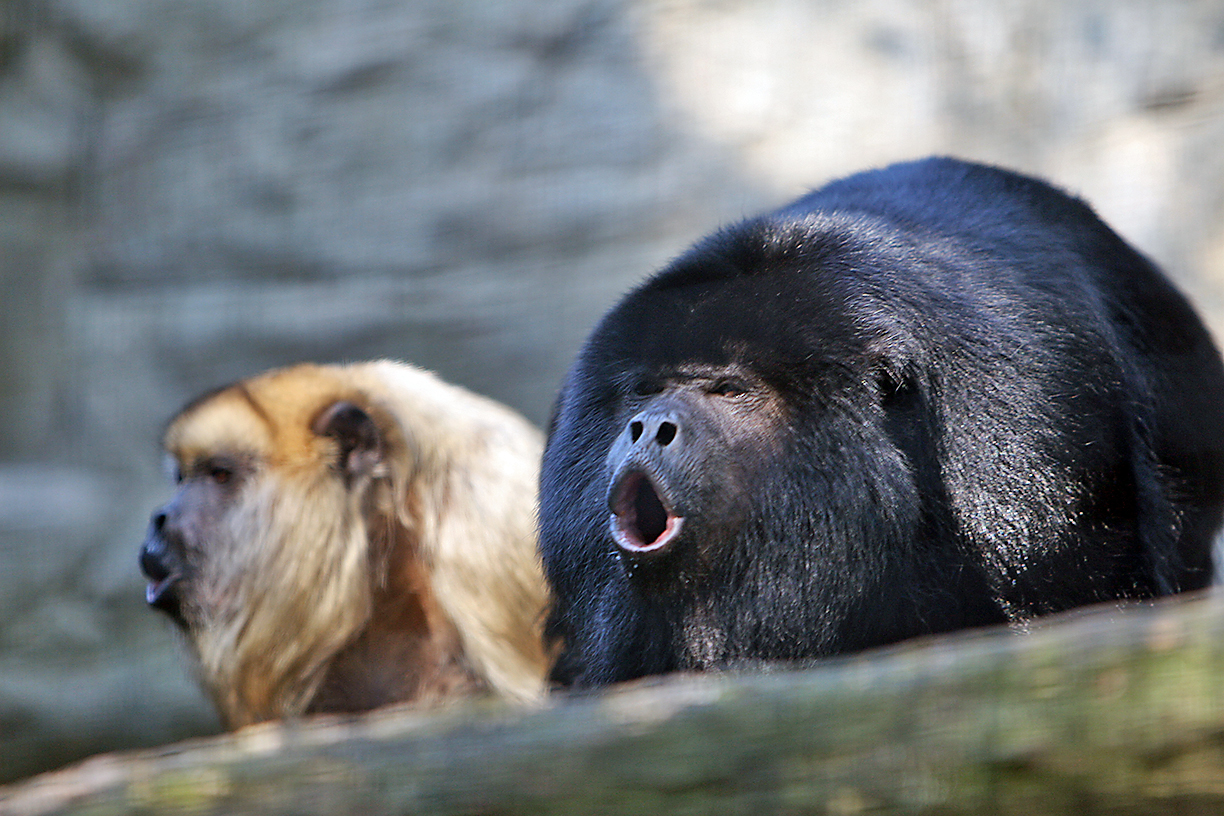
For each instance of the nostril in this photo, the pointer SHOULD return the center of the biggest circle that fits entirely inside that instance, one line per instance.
(635, 430)
(667, 432)
(159, 521)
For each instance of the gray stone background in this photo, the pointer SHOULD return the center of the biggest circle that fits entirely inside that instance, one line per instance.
(194, 190)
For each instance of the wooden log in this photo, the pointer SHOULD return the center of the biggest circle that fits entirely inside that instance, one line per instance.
(1113, 711)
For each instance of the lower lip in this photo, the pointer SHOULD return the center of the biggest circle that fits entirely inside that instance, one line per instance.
(628, 544)
(154, 590)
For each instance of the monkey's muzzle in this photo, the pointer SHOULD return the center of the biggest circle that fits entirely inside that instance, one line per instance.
(162, 569)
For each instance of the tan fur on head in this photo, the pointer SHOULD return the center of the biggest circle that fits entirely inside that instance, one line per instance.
(308, 581)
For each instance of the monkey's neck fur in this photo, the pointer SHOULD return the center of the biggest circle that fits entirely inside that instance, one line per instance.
(371, 633)
(409, 651)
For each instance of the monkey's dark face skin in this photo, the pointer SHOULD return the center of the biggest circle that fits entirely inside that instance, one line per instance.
(930, 397)
(177, 545)
(690, 439)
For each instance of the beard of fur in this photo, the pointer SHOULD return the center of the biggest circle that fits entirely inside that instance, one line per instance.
(291, 585)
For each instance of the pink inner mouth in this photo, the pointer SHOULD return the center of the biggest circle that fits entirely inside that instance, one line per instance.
(641, 522)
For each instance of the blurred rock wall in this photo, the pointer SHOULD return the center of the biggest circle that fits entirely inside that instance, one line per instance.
(194, 190)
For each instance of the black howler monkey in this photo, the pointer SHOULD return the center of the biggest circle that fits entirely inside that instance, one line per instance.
(928, 397)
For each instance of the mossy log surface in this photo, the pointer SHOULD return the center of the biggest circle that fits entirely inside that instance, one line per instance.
(1103, 711)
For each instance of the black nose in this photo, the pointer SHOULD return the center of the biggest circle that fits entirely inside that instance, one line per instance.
(654, 427)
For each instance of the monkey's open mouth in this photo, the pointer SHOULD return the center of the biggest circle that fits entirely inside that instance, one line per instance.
(162, 594)
(162, 590)
(641, 520)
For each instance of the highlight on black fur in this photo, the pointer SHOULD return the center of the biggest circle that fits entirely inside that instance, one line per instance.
(934, 396)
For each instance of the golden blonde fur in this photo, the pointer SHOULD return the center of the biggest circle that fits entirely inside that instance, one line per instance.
(311, 585)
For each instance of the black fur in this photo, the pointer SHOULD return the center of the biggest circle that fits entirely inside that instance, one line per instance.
(923, 398)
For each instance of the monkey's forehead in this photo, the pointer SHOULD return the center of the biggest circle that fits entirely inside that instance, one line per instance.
(269, 416)
(226, 421)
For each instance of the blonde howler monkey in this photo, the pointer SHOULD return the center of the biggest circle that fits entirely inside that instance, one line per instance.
(344, 537)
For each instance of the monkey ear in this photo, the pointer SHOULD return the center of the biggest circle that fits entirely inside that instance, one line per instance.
(360, 443)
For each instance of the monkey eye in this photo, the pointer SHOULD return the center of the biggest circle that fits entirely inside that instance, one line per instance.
(728, 387)
(219, 471)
